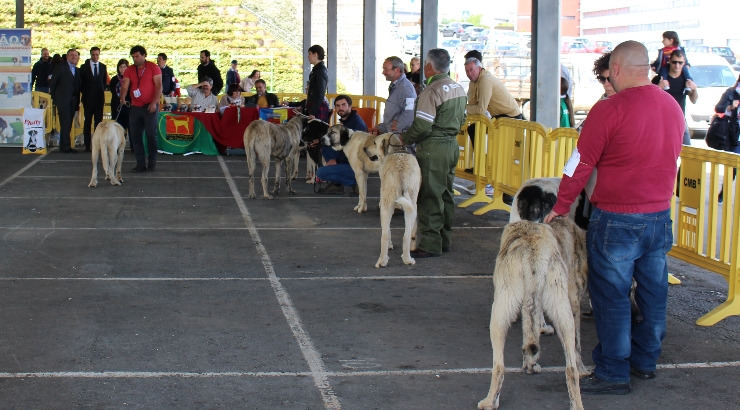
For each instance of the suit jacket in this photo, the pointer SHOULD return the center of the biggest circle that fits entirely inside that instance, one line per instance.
(93, 90)
(272, 99)
(65, 87)
(168, 81)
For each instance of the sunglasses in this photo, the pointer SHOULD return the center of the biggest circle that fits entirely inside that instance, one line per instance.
(677, 62)
(602, 79)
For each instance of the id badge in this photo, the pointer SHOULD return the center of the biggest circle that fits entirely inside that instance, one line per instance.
(137, 93)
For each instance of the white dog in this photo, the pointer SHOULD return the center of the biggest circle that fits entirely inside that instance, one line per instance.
(262, 140)
(341, 138)
(532, 276)
(108, 142)
(400, 179)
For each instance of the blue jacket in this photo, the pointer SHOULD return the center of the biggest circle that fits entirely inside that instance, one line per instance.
(354, 122)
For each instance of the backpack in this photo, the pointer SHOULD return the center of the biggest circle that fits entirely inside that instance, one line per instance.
(719, 132)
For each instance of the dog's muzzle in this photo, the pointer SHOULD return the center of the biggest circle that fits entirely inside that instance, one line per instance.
(373, 157)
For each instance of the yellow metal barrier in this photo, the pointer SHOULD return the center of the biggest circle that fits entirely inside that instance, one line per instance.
(43, 100)
(484, 131)
(562, 142)
(706, 235)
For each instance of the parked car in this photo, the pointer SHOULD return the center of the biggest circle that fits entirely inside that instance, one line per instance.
(449, 44)
(474, 33)
(407, 43)
(466, 46)
(574, 47)
(602, 46)
(712, 75)
(452, 29)
(725, 52)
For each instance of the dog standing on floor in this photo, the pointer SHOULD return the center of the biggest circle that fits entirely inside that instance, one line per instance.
(263, 140)
(353, 143)
(108, 142)
(400, 180)
(532, 276)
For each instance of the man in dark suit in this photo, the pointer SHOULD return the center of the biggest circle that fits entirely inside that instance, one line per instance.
(93, 77)
(263, 99)
(168, 76)
(65, 92)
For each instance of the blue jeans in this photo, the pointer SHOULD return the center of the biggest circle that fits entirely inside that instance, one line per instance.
(622, 247)
(341, 174)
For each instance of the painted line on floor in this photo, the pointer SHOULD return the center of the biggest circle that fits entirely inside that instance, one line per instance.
(22, 170)
(312, 228)
(327, 374)
(310, 353)
(234, 279)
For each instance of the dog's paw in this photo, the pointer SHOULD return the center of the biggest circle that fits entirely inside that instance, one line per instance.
(532, 368)
(267, 197)
(583, 370)
(93, 184)
(292, 192)
(547, 330)
(114, 182)
(409, 261)
(390, 245)
(382, 263)
(487, 404)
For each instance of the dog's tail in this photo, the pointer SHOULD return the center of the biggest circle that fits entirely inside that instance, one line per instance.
(406, 204)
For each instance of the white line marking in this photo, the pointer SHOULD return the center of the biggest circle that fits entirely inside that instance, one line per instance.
(17, 174)
(327, 374)
(312, 356)
(227, 279)
(311, 228)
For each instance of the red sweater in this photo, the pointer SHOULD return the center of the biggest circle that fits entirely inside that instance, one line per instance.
(633, 138)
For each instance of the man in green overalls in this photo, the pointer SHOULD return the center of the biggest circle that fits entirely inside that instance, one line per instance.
(438, 117)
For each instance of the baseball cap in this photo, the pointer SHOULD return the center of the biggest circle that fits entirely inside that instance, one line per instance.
(233, 61)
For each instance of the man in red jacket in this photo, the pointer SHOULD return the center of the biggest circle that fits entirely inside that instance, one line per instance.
(632, 141)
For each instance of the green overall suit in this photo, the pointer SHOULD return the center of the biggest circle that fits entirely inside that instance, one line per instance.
(438, 116)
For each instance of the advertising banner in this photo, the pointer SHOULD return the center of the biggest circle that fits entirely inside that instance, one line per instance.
(33, 131)
(15, 83)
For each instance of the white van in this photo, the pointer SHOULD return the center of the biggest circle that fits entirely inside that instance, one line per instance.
(712, 75)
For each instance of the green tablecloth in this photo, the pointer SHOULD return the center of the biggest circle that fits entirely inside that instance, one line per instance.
(183, 133)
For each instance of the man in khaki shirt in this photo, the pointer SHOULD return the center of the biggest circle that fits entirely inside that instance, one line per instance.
(487, 95)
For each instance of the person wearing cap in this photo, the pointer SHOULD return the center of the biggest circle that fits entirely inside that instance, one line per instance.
(168, 76)
(232, 76)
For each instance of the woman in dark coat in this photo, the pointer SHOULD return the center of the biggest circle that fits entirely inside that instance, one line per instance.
(115, 91)
(728, 105)
(316, 103)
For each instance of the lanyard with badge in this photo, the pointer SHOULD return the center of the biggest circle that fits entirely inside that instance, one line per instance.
(137, 92)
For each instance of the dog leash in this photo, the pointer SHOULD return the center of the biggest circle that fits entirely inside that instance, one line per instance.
(120, 106)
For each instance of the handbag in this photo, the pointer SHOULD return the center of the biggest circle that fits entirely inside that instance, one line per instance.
(718, 133)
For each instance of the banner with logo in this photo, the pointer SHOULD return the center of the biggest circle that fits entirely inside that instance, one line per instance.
(33, 131)
(15, 68)
(11, 127)
(274, 115)
(184, 134)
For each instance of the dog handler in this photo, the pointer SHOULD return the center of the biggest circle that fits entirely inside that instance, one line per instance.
(439, 114)
(630, 230)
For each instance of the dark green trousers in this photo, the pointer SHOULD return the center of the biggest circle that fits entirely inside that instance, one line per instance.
(437, 159)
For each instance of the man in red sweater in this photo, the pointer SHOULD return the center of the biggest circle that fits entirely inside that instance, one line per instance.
(632, 141)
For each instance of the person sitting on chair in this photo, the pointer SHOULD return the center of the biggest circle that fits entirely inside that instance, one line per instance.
(262, 98)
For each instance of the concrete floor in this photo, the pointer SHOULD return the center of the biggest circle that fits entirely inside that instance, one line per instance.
(175, 291)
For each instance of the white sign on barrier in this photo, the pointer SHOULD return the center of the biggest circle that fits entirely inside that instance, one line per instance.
(33, 131)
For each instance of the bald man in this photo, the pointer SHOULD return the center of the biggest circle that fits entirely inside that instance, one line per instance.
(632, 140)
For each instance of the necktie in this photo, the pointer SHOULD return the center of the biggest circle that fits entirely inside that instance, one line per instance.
(96, 71)
(391, 87)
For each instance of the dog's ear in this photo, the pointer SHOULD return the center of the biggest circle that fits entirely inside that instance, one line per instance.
(344, 136)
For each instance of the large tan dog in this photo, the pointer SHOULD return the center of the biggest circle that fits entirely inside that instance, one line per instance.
(400, 180)
(108, 142)
(532, 276)
(341, 138)
(263, 140)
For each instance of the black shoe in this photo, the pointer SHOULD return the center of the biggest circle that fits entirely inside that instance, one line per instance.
(151, 166)
(588, 315)
(720, 197)
(446, 249)
(595, 385)
(138, 169)
(332, 189)
(640, 374)
(423, 254)
(469, 170)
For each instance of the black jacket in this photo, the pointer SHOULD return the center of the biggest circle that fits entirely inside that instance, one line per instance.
(272, 100)
(65, 87)
(211, 71)
(93, 90)
(41, 72)
(317, 83)
(726, 100)
(168, 81)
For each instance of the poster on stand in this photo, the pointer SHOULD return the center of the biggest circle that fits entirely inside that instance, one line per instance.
(15, 83)
(33, 131)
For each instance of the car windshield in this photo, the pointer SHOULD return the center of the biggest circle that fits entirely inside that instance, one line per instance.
(723, 51)
(712, 76)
